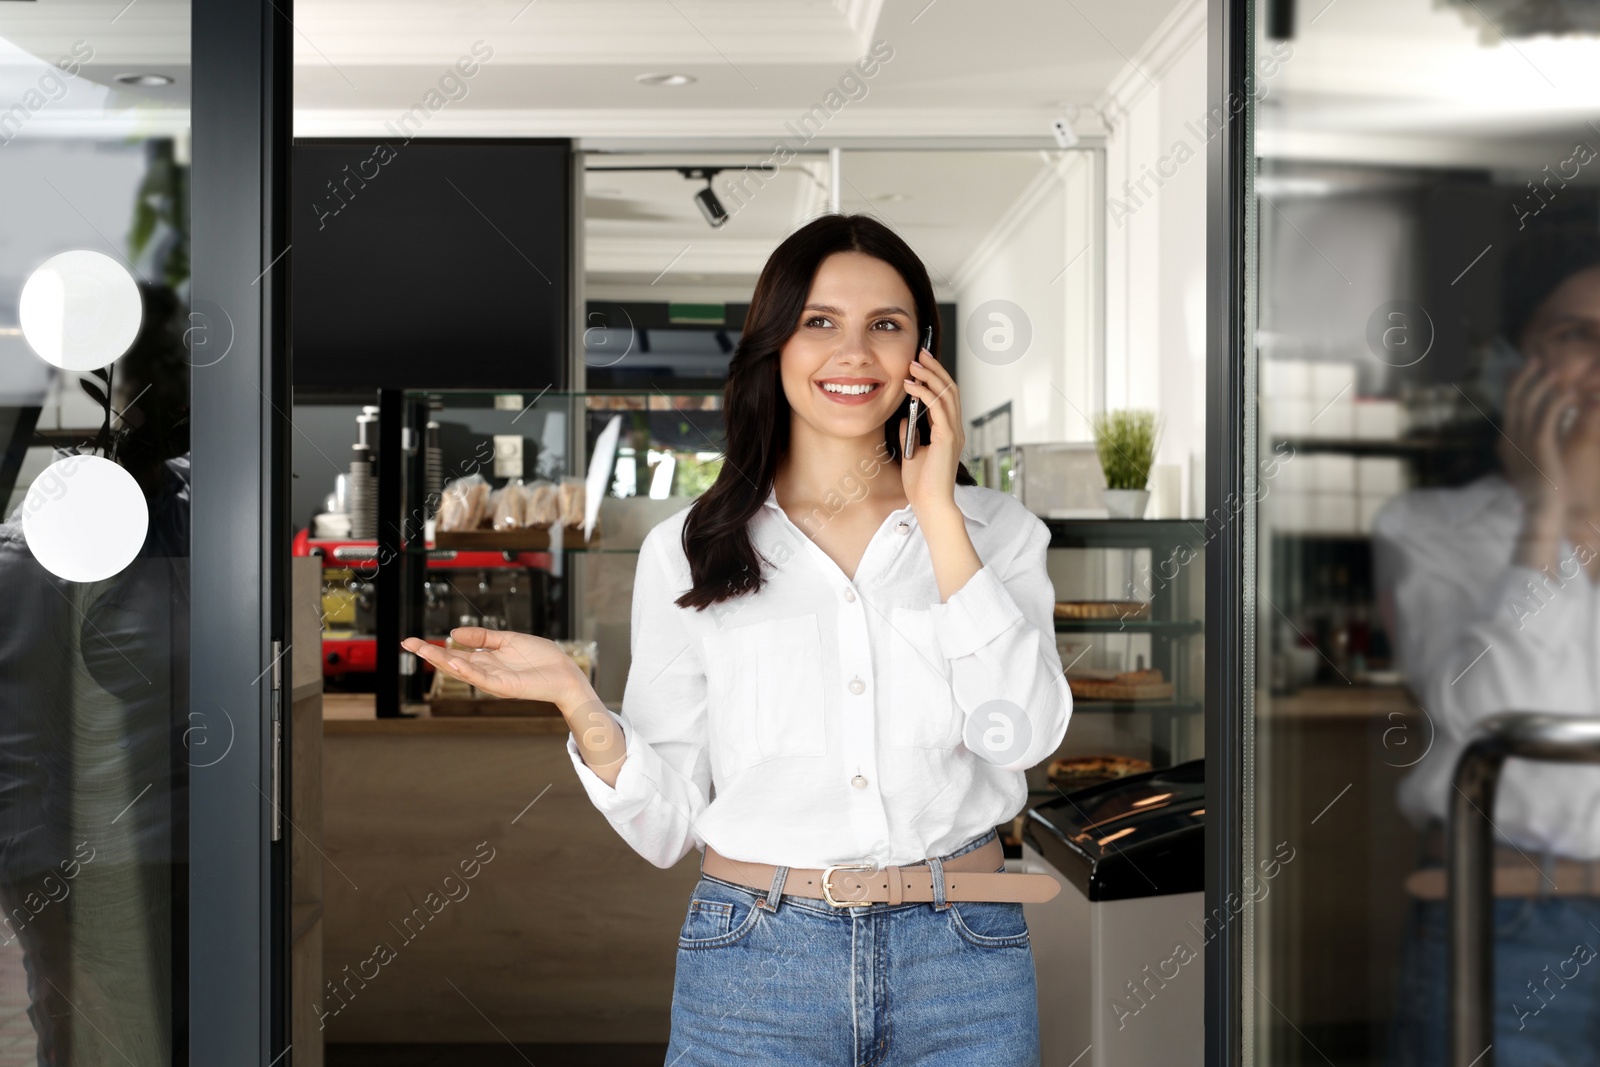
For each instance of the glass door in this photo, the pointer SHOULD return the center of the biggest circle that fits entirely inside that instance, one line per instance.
(140, 374)
(1418, 370)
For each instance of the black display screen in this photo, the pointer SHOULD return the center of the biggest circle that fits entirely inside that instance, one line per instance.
(436, 263)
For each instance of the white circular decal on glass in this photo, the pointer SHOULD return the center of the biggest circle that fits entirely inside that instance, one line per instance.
(84, 518)
(80, 310)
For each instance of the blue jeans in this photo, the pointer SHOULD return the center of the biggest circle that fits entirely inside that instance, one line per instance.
(1546, 984)
(881, 985)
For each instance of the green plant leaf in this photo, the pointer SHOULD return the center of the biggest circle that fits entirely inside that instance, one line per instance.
(1125, 442)
(144, 224)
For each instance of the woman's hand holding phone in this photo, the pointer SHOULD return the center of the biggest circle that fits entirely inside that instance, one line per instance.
(928, 474)
(1548, 454)
(908, 438)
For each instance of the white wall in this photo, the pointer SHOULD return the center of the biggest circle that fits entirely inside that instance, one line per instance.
(1149, 351)
(1155, 235)
(1040, 258)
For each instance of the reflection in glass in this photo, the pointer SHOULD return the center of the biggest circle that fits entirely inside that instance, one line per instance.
(94, 543)
(1428, 544)
(1490, 588)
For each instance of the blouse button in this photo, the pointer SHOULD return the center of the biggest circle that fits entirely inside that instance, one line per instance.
(850, 595)
(902, 528)
(859, 782)
(857, 686)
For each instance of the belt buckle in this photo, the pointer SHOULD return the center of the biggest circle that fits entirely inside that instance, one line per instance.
(827, 883)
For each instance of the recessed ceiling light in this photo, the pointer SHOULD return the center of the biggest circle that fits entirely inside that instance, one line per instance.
(667, 80)
(892, 198)
(143, 80)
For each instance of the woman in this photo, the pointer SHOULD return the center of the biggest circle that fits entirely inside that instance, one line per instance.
(1492, 596)
(876, 669)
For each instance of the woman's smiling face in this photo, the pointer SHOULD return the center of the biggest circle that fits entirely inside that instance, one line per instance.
(842, 368)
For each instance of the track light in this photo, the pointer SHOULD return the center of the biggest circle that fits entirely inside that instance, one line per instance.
(706, 199)
(710, 206)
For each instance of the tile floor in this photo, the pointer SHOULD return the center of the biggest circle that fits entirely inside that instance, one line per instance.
(17, 1045)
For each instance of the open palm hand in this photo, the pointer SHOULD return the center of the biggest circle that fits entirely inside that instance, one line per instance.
(507, 664)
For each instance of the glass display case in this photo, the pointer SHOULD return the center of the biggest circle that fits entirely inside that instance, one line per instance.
(595, 471)
(499, 510)
(1130, 629)
(526, 512)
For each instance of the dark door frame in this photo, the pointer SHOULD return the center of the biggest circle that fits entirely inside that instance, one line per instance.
(240, 114)
(1230, 511)
(241, 118)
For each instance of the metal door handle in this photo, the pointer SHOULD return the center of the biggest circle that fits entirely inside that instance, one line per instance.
(1470, 860)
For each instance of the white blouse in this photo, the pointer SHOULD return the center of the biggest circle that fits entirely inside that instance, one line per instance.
(824, 720)
(1477, 635)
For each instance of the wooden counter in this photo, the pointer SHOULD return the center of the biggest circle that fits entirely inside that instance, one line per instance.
(1329, 760)
(564, 935)
(355, 713)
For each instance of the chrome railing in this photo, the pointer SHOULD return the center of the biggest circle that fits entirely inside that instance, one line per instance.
(1470, 953)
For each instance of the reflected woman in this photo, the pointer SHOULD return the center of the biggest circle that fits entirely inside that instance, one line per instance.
(843, 661)
(1493, 598)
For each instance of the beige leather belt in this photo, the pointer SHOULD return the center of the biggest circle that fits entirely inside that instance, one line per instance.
(1517, 872)
(1517, 875)
(969, 876)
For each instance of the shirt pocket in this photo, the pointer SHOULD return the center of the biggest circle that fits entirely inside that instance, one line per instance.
(922, 706)
(770, 704)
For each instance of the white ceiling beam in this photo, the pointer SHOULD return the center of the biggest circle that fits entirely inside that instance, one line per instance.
(647, 32)
(766, 128)
(715, 254)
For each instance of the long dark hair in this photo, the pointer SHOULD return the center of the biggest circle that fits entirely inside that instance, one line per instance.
(723, 560)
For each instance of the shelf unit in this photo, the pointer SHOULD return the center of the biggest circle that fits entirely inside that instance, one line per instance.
(1322, 582)
(1170, 585)
(1167, 627)
(353, 648)
(554, 433)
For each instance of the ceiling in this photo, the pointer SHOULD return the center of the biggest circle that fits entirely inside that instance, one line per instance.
(1422, 81)
(951, 68)
(569, 67)
(1402, 81)
(645, 236)
(938, 73)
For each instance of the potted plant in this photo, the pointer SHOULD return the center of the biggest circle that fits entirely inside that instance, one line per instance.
(1126, 441)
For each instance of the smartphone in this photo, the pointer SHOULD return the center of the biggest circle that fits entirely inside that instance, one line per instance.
(910, 442)
(1568, 419)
